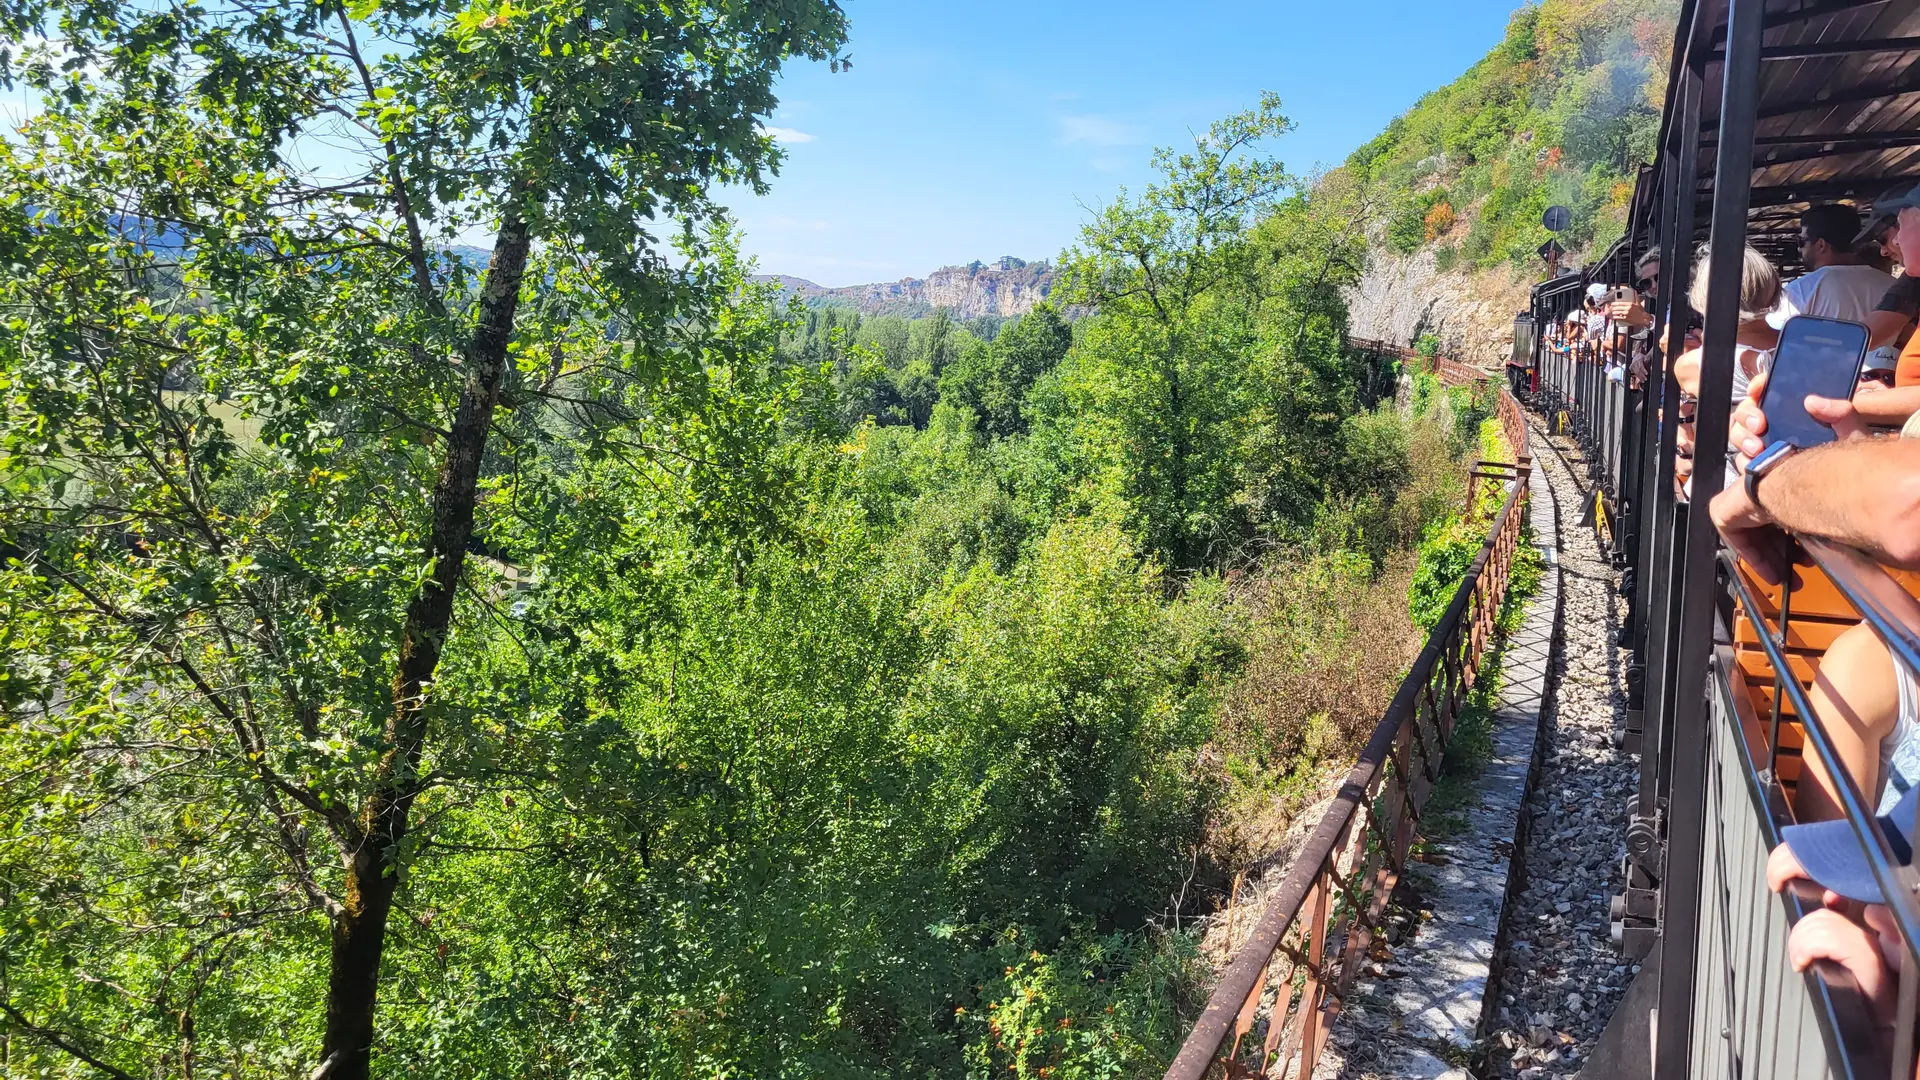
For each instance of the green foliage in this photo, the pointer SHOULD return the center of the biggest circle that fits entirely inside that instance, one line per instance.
(1558, 113)
(1095, 1007)
(250, 685)
(1448, 549)
(993, 381)
(669, 683)
(1427, 390)
(1446, 554)
(1407, 229)
(1200, 401)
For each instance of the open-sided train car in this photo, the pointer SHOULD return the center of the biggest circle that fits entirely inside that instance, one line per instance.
(1772, 106)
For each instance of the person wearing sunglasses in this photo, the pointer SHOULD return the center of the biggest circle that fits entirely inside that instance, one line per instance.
(1637, 317)
(1633, 314)
(1838, 283)
(1894, 395)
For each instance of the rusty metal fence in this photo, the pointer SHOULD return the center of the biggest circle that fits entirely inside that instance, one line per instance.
(1448, 370)
(1270, 1014)
(1513, 424)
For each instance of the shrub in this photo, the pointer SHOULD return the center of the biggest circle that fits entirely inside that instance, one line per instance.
(1327, 640)
(1445, 554)
(1113, 1006)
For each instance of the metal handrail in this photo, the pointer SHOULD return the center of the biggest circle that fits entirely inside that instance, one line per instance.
(1358, 866)
(1895, 618)
(1853, 802)
(1445, 367)
(1853, 1047)
(1881, 602)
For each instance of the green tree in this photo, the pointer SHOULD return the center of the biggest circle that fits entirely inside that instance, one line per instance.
(994, 381)
(236, 649)
(1202, 401)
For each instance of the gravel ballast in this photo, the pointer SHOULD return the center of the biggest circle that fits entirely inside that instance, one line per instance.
(1559, 973)
(1556, 975)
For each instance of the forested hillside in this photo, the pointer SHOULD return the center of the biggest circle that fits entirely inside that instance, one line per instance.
(1559, 113)
(584, 665)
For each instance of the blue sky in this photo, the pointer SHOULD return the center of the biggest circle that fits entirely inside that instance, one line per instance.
(970, 131)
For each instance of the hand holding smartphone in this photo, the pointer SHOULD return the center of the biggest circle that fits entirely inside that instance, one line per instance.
(1815, 356)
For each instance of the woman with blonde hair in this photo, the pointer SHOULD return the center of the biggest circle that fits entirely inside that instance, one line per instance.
(1759, 293)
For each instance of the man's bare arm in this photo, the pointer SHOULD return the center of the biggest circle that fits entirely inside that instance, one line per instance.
(1864, 493)
(1883, 326)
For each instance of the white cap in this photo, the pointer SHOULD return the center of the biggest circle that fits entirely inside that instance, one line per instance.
(1596, 291)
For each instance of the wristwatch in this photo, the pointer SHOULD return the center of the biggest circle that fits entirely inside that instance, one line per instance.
(1764, 463)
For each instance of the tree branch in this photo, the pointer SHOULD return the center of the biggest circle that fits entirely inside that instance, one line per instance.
(54, 1038)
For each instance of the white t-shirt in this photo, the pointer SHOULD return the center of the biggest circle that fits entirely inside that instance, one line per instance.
(1835, 292)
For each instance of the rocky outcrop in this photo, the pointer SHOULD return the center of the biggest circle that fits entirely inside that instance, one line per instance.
(1004, 288)
(1403, 297)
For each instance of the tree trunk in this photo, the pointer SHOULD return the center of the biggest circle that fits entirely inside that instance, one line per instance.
(360, 930)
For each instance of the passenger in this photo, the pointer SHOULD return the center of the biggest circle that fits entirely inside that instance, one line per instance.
(1633, 314)
(1596, 311)
(1828, 854)
(1882, 232)
(1840, 284)
(1636, 315)
(1896, 229)
(1863, 492)
(1759, 293)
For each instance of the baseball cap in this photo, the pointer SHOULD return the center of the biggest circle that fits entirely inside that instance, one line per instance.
(1597, 291)
(1832, 856)
(1888, 206)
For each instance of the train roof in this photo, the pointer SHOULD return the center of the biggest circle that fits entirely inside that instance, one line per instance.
(1837, 112)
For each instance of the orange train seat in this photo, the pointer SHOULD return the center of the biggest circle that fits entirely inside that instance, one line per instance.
(1816, 615)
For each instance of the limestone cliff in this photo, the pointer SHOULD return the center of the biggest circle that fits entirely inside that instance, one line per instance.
(1006, 287)
(1402, 297)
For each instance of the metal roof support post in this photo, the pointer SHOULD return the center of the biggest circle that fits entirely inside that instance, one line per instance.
(1686, 810)
(1676, 270)
(1647, 453)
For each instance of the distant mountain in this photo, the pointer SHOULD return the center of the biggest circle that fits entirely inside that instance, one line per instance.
(1005, 287)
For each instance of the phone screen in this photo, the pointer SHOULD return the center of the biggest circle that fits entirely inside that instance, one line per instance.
(1815, 356)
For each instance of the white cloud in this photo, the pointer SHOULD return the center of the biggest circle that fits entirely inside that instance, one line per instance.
(788, 135)
(1100, 131)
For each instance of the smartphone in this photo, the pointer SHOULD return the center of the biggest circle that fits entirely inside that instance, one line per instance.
(1815, 356)
(1622, 293)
